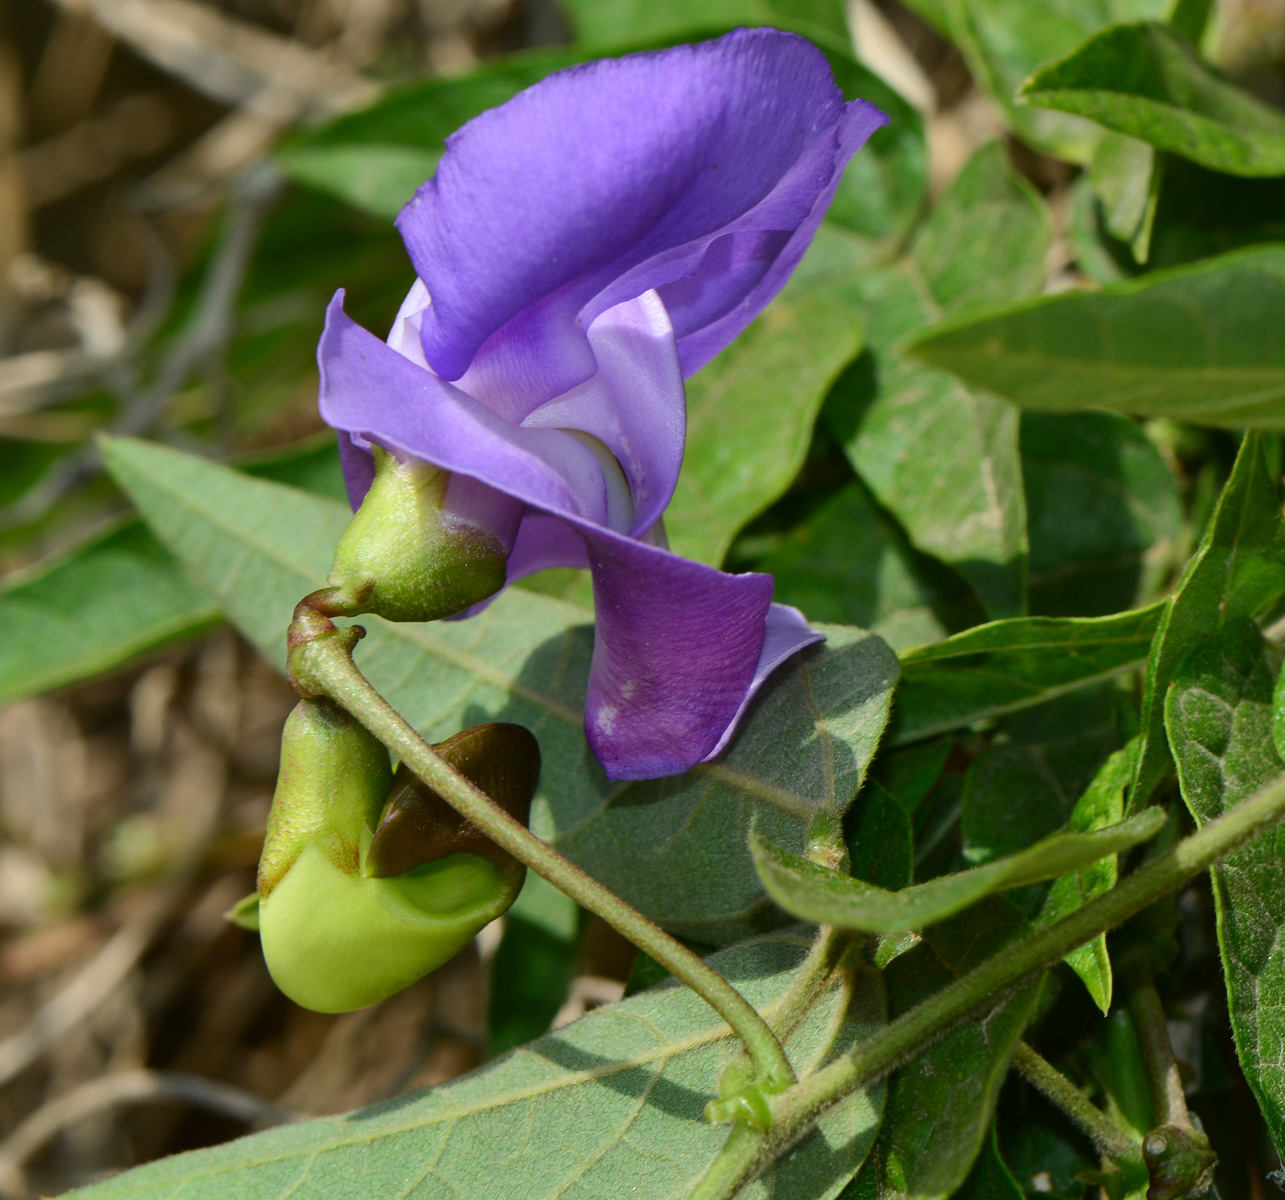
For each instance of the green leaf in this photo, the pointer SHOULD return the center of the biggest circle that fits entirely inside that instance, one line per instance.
(1147, 81)
(120, 595)
(378, 178)
(1035, 1150)
(816, 893)
(750, 412)
(1238, 570)
(611, 1104)
(804, 745)
(881, 839)
(941, 459)
(1102, 513)
(534, 964)
(1126, 176)
(941, 1103)
(911, 772)
(1196, 343)
(1010, 665)
(1101, 805)
(849, 562)
(990, 1178)
(1004, 41)
(597, 24)
(112, 599)
(1024, 785)
(1219, 717)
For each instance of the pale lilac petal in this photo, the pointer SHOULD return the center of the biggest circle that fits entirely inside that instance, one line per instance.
(370, 390)
(358, 466)
(676, 647)
(622, 169)
(634, 403)
(787, 634)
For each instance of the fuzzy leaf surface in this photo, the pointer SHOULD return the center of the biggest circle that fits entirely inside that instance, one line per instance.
(619, 1095)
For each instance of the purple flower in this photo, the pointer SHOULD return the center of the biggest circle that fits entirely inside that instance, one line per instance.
(585, 246)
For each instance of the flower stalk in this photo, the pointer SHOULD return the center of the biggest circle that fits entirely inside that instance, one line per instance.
(320, 660)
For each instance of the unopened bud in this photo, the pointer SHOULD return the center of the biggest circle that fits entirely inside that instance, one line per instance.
(405, 557)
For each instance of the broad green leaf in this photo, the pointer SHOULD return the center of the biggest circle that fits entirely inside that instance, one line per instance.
(533, 966)
(1102, 513)
(911, 772)
(816, 893)
(849, 562)
(1126, 175)
(750, 412)
(1024, 785)
(1237, 571)
(1146, 81)
(601, 24)
(112, 599)
(941, 1103)
(1101, 805)
(1116, 1060)
(378, 178)
(1218, 712)
(1195, 343)
(990, 1178)
(881, 839)
(609, 1106)
(943, 460)
(120, 595)
(805, 744)
(1004, 41)
(1010, 665)
(1039, 1154)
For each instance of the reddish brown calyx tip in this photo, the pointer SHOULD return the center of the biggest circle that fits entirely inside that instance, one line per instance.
(418, 827)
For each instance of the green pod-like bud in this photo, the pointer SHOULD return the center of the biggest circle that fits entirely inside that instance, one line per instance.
(405, 558)
(370, 881)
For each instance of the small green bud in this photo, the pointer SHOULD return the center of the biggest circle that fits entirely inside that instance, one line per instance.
(1180, 1161)
(405, 558)
(368, 881)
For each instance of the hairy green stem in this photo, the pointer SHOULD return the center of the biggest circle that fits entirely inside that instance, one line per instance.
(1167, 1097)
(797, 1109)
(321, 664)
(1105, 1134)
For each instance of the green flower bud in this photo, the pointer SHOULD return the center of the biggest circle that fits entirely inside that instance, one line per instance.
(407, 559)
(368, 881)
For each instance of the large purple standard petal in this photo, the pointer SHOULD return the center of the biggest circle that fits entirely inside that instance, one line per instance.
(693, 170)
(680, 647)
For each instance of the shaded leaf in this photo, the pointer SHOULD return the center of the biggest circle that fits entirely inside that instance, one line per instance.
(1194, 343)
(881, 839)
(941, 1103)
(816, 893)
(750, 412)
(941, 459)
(1219, 717)
(804, 745)
(533, 966)
(849, 562)
(990, 1178)
(1103, 513)
(1010, 665)
(619, 1095)
(1024, 785)
(911, 772)
(1238, 570)
(1147, 81)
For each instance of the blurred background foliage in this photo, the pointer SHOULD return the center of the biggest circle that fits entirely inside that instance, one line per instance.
(183, 185)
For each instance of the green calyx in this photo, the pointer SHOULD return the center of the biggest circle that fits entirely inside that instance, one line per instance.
(403, 558)
(369, 880)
